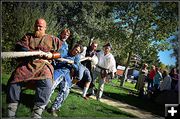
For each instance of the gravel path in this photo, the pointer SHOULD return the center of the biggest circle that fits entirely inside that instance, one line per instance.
(122, 106)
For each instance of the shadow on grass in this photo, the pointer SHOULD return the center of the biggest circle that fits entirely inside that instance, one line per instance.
(116, 112)
(103, 108)
(27, 100)
(141, 103)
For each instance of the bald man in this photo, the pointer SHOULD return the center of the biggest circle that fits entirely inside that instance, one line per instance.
(33, 71)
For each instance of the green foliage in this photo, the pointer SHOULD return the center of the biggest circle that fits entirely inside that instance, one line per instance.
(175, 48)
(144, 25)
(18, 19)
(131, 27)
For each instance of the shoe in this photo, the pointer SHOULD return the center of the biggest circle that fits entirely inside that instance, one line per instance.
(49, 110)
(86, 98)
(89, 94)
(54, 113)
(98, 99)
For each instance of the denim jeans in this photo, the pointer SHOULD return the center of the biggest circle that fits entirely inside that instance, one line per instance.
(62, 95)
(43, 90)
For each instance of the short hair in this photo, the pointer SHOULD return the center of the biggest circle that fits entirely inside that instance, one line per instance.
(66, 31)
(94, 42)
(78, 45)
(145, 65)
(165, 72)
(108, 45)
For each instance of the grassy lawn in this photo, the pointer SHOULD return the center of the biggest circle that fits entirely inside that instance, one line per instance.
(130, 85)
(122, 94)
(74, 106)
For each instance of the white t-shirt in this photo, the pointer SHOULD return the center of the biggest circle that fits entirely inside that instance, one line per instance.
(106, 61)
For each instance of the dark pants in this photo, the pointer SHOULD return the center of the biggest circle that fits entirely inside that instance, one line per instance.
(62, 95)
(150, 84)
(173, 84)
(43, 90)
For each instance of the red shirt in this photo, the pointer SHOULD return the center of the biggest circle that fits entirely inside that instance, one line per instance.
(152, 74)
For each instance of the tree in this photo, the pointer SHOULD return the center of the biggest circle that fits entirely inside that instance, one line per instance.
(132, 27)
(85, 19)
(145, 27)
(175, 48)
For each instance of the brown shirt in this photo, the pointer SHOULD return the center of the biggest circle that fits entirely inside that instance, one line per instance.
(36, 68)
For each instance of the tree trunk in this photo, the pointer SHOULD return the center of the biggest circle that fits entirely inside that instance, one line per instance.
(126, 70)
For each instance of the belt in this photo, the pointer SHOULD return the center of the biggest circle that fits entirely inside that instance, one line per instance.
(102, 68)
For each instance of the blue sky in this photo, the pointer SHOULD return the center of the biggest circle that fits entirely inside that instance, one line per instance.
(165, 57)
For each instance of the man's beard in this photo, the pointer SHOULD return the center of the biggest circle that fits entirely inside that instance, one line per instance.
(38, 34)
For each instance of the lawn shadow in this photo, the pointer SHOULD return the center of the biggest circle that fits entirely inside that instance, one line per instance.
(27, 99)
(105, 109)
(142, 103)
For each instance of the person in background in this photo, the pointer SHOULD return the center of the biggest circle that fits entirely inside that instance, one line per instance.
(157, 78)
(151, 77)
(174, 77)
(166, 83)
(177, 85)
(105, 68)
(34, 71)
(141, 80)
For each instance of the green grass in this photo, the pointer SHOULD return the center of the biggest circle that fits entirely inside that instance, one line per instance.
(129, 95)
(130, 85)
(74, 105)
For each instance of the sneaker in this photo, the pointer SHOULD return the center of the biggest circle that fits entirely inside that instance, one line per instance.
(89, 94)
(49, 110)
(54, 113)
(86, 98)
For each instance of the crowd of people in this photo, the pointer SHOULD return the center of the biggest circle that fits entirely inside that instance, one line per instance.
(79, 65)
(157, 80)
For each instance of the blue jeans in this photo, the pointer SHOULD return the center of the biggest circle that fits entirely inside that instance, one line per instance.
(43, 90)
(62, 95)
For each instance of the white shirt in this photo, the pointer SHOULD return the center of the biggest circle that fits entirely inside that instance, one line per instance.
(166, 83)
(83, 54)
(106, 61)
